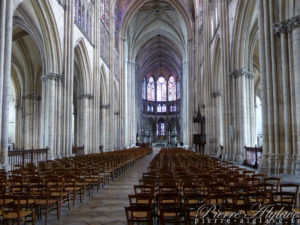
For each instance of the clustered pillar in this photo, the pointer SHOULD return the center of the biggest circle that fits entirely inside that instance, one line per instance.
(6, 19)
(280, 69)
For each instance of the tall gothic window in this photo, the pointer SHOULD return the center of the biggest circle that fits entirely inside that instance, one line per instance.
(105, 8)
(178, 90)
(79, 14)
(173, 108)
(171, 89)
(161, 128)
(164, 108)
(151, 89)
(144, 89)
(161, 89)
(159, 109)
(83, 16)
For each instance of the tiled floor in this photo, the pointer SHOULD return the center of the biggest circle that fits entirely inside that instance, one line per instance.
(107, 206)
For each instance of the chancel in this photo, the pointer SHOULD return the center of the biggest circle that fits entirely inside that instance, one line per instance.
(147, 111)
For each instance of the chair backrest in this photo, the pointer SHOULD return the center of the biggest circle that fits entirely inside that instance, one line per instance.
(174, 216)
(139, 215)
(169, 200)
(168, 189)
(284, 200)
(141, 199)
(143, 189)
(290, 187)
(273, 180)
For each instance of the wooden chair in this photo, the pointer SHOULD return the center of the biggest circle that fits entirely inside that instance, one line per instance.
(43, 201)
(57, 191)
(169, 200)
(71, 187)
(284, 200)
(275, 181)
(17, 215)
(173, 216)
(192, 203)
(141, 200)
(138, 215)
(293, 188)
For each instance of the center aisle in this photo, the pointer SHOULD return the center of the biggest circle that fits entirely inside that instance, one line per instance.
(107, 206)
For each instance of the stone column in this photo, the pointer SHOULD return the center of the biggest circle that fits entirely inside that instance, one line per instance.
(31, 119)
(49, 94)
(85, 132)
(5, 63)
(130, 83)
(207, 74)
(104, 111)
(19, 127)
(241, 80)
(216, 97)
(2, 47)
(294, 27)
(227, 105)
(96, 77)
(67, 95)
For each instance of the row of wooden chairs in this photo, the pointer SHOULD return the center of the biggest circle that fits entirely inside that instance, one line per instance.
(179, 182)
(33, 192)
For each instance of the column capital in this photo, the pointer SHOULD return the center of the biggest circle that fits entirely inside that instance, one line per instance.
(52, 76)
(35, 97)
(286, 26)
(280, 27)
(242, 72)
(293, 23)
(86, 96)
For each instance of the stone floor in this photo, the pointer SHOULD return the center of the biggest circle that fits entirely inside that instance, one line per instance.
(107, 206)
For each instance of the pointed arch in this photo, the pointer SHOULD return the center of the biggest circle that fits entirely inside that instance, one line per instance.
(44, 30)
(83, 62)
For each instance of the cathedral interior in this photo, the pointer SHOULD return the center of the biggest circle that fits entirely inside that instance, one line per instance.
(116, 90)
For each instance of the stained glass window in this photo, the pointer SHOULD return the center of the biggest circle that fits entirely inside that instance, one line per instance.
(150, 108)
(75, 11)
(162, 129)
(79, 13)
(173, 108)
(164, 108)
(151, 89)
(83, 17)
(144, 89)
(159, 109)
(105, 12)
(161, 89)
(172, 89)
(178, 90)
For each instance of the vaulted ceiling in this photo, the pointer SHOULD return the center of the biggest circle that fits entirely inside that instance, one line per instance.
(157, 37)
